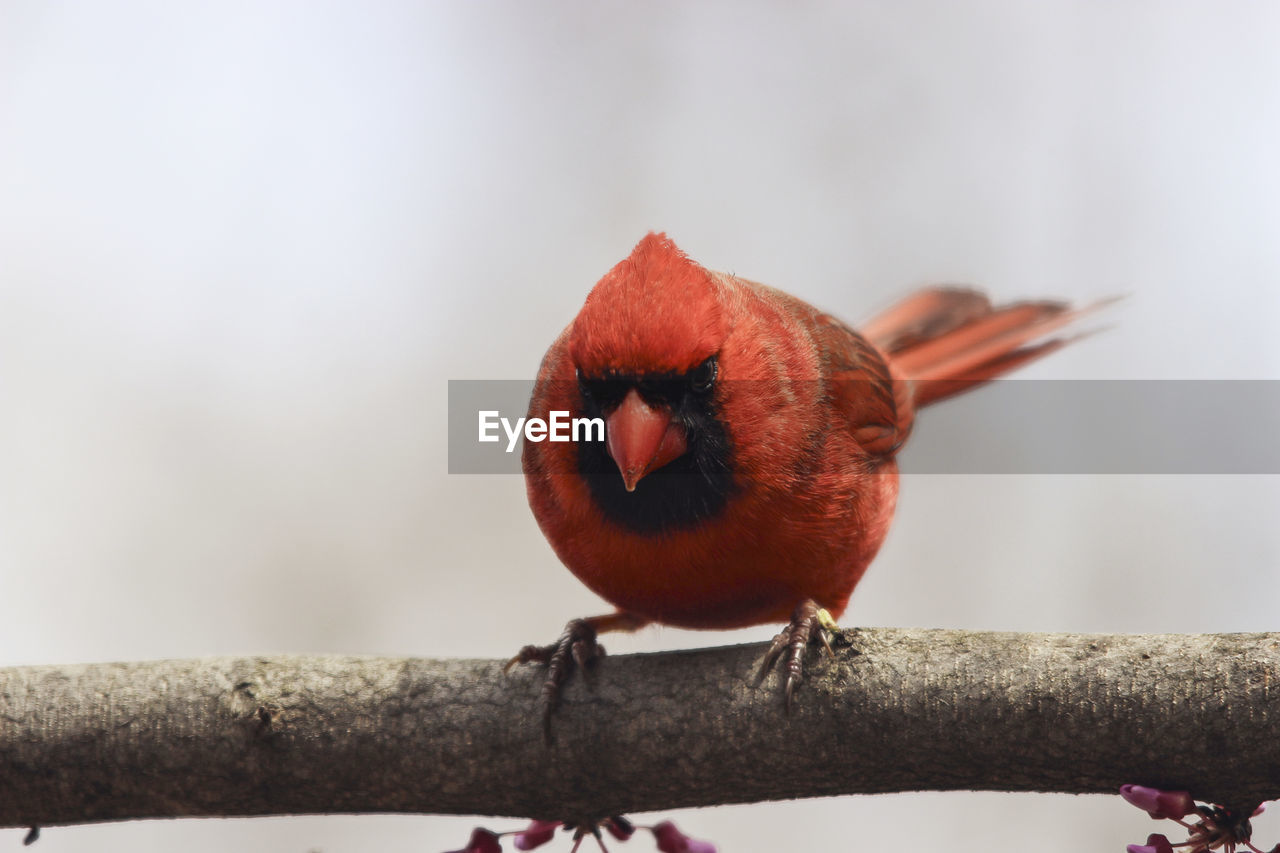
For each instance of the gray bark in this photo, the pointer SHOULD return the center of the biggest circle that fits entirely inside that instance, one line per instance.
(895, 710)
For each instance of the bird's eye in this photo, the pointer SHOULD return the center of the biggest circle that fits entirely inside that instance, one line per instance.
(583, 386)
(702, 377)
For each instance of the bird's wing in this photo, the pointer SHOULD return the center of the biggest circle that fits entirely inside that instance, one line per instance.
(875, 403)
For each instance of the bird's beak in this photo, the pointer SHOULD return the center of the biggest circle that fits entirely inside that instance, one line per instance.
(642, 438)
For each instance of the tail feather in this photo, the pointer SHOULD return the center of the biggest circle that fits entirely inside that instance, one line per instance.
(948, 340)
(962, 350)
(924, 315)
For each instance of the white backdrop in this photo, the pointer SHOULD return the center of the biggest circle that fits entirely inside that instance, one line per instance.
(244, 245)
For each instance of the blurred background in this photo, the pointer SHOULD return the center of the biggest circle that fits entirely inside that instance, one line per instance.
(243, 247)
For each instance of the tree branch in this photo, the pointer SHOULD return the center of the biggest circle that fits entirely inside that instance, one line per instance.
(896, 710)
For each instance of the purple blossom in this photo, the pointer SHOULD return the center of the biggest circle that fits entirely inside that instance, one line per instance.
(536, 834)
(482, 841)
(1159, 804)
(619, 827)
(1155, 844)
(672, 840)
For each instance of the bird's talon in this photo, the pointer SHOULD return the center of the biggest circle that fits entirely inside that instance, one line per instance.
(790, 694)
(807, 620)
(771, 657)
(529, 654)
(576, 648)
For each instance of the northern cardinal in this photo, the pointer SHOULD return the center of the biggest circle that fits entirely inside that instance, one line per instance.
(747, 474)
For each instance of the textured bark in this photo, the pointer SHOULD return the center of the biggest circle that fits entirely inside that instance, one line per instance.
(896, 710)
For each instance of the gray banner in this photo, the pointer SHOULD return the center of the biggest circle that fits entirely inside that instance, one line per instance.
(1010, 426)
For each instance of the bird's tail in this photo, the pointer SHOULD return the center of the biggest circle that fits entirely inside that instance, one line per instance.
(947, 340)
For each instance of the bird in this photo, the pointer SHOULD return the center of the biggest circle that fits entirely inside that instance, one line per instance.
(748, 471)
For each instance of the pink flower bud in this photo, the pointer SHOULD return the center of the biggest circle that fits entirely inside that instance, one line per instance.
(619, 827)
(537, 834)
(1155, 844)
(1159, 804)
(672, 840)
(482, 841)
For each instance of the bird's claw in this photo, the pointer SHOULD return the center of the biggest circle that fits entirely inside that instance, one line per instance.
(809, 618)
(575, 649)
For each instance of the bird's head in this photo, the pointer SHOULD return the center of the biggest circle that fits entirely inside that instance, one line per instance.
(645, 349)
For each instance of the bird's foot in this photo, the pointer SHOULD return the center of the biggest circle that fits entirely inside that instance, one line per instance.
(576, 649)
(809, 618)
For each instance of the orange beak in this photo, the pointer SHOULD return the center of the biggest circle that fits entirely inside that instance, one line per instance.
(642, 438)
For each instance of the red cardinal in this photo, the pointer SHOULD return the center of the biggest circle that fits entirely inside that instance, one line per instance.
(747, 474)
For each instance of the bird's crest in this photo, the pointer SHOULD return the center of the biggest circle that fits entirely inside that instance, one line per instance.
(655, 312)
